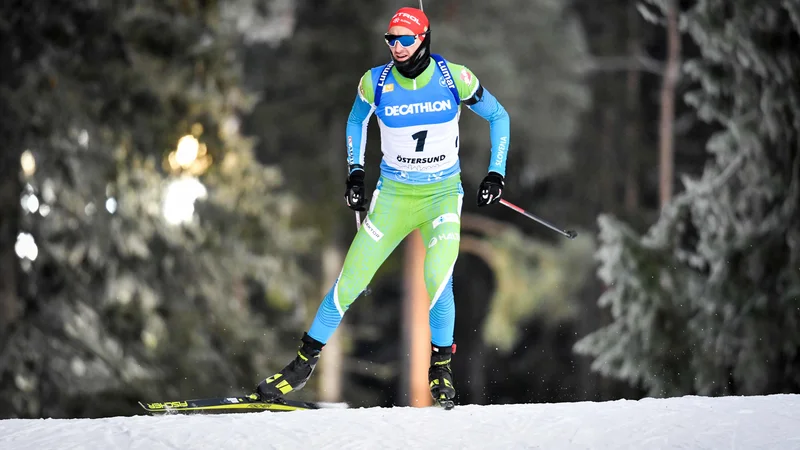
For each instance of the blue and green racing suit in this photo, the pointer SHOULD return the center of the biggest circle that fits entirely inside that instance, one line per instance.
(419, 185)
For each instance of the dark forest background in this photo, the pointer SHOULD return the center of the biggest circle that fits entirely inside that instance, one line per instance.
(171, 206)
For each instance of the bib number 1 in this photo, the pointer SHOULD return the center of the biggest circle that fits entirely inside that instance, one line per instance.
(420, 136)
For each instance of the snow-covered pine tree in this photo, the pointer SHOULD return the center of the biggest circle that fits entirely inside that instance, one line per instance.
(532, 56)
(707, 301)
(120, 303)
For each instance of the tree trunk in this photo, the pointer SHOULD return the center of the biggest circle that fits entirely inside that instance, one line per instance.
(331, 367)
(416, 329)
(633, 121)
(666, 138)
(10, 217)
(10, 191)
(11, 126)
(608, 172)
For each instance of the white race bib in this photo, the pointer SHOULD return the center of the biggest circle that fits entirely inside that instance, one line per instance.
(420, 148)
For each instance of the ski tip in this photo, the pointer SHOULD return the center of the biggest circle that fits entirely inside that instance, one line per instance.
(148, 409)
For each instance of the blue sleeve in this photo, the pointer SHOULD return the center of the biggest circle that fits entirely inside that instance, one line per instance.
(356, 131)
(499, 129)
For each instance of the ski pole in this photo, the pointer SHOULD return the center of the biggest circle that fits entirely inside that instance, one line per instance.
(367, 290)
(567, 233)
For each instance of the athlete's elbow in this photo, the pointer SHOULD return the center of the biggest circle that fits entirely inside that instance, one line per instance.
(359, 113)
(353, 120)
(357, 116)
(502, 110)
(500, 116)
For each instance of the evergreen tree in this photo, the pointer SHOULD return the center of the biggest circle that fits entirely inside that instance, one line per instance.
(531, 56)
(126, 299)
(706, 301)
(533, 279)
(307, 89)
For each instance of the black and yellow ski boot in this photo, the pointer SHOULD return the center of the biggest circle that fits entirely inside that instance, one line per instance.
(295, 375)
(440, 376)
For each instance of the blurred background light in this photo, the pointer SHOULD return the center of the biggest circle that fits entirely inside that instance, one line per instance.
(180, 197)
(187, 151)
(26, 247)
(30, 202)
(111, 205)
(28, 163)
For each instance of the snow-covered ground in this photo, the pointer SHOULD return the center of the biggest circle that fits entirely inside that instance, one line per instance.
(767, 422)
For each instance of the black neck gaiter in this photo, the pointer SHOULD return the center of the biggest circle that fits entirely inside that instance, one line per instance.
(418, 62)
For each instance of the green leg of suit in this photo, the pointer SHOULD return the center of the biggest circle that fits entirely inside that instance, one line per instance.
(396, 210)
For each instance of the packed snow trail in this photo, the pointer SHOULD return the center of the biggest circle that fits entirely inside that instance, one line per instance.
(765, 422)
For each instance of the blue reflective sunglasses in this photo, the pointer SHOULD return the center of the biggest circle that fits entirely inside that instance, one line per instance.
(406, 40)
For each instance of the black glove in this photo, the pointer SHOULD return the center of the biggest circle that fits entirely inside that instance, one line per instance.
(491, 189)
(355, 195)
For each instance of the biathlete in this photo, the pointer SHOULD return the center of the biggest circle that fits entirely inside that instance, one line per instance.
(417, 99)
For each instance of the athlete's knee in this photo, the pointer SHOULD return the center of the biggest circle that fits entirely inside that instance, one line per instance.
(336, 302)
(329, 313)
(439, 270)
(348, 288)
(443, 310)
(443, 297)
(435, 282)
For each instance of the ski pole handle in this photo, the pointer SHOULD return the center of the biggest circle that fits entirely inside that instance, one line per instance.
(567, 233)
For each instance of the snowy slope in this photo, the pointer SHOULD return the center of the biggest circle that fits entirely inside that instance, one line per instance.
(771, 422)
